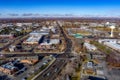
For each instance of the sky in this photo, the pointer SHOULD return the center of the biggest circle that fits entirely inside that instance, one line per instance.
(14, 8)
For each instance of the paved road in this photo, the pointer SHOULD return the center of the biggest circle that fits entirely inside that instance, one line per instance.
(20, 38)
(29, 54)
(37, 66)
(52, 72)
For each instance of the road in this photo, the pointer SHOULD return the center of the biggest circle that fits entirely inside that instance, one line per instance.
(32, 69)
(52, 72)
(29, 54)
(20, 38)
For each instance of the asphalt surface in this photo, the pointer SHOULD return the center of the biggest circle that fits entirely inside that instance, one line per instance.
(37, 66)
(52, 72)
(28, 54)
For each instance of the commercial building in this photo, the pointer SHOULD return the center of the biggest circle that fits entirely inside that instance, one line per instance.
(90, 47)
(40, 32)
(8, 68)
(6, 36)
(35, 36)
(33, 39)
(114, 46)
(30, 60)
(89, 68)
(27, 61)
(55, 36)
(112, 43)
(22, 24)
(48, 44)
(89, 65)
(12, 48)
(108, 40)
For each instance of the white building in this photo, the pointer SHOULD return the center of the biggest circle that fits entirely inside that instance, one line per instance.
(33, 40)
(52, 41)
(40, 32)
(90, 47)
(19, 24)
(49, 45)
(12, 48)
(112, 43)
(108, 40)
(89, 65)
(27, 24)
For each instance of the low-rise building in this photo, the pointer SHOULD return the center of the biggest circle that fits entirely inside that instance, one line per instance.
(6, 36)
(90, 47)
(22, 24)
(12, 48)
(89, 68)
(49, 44)
(8, 68)
(112, 43)
(30, 60)
(33, 40)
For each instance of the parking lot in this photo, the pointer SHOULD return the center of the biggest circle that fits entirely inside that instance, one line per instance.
(32, 69)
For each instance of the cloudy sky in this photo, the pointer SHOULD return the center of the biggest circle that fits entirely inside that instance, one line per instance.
(14, 8)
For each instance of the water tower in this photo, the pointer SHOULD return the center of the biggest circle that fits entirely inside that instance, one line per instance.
(112, 29)
(107, 23)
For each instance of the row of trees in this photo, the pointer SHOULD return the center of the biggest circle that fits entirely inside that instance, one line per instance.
(13, 31)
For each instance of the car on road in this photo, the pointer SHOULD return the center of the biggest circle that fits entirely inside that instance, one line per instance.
(54, 66)
(56, 70)
(48, 74)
